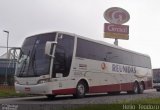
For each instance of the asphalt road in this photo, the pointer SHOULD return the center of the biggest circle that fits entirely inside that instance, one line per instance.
(89, 99)
(69, 100)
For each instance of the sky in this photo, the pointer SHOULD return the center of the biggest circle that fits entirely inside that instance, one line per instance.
(23, 18)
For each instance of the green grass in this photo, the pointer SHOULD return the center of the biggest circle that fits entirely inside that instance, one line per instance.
(6, 92)
(101, 107)
(143, 101)
(120, 106)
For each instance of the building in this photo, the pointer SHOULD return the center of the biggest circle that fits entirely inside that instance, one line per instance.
(7, 67)
(7, 70)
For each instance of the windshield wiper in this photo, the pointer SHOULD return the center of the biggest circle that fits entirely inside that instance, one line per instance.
(23, 65)
(33, 61)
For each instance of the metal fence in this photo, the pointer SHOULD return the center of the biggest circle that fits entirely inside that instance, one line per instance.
(7, 65)
(7, 71)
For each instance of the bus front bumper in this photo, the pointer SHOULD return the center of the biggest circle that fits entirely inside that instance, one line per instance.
(33, 89)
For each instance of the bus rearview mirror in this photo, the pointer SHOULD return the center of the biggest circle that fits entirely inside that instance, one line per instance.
(49, 47)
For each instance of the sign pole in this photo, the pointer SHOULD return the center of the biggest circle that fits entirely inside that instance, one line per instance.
(116, 42)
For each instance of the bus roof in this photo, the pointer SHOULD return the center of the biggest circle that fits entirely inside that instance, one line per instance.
(96, 41)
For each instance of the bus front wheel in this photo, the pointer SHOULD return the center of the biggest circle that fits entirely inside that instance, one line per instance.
(80, 90)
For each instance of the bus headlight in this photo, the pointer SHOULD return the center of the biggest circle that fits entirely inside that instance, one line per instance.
(41, 81)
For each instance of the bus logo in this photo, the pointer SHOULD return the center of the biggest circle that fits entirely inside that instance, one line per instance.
(103, 66)
(116, 15)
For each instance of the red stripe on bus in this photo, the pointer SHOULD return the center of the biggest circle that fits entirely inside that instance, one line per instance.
(110, 88)
(117, 87)
(64, 91)
(103, 88)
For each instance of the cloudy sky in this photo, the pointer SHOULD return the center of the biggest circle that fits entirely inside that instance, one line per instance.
(23, 18)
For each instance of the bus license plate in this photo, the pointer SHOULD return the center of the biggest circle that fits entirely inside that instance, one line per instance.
(27, 89)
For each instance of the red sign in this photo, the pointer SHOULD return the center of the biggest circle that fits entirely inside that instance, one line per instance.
(115, 28)
(116, 31)
(116, 15)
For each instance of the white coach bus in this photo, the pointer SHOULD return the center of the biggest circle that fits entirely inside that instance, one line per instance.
(60, 63)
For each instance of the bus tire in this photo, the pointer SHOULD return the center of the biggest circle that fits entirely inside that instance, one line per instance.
(135, 88)
(141, 88)
(80, 90)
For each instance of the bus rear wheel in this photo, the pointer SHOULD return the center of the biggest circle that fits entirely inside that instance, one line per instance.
(80, 90)
(136, 88)
(141, 88)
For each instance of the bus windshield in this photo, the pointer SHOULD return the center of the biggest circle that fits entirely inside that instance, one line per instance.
(32, 60)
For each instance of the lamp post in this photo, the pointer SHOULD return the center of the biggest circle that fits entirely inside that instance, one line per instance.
(7, 40)
(6, 75)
